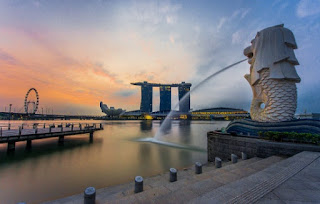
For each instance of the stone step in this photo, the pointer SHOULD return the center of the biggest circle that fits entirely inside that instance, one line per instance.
(197, 185)
(253, 187)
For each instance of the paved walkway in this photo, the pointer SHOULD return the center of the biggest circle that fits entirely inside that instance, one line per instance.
(302, 188)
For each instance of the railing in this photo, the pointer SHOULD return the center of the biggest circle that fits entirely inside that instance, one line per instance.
(19, 128)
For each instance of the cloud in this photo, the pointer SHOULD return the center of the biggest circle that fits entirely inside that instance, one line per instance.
(308, 8)
(151, 12)
(4, 56)
(221, 22)
(125, 93)
(237, 14)
(100, 70)
(236, 37)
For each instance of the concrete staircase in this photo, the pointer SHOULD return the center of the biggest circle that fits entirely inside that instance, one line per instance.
(242, 182)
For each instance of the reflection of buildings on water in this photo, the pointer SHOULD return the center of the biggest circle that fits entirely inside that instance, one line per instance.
(146, 125)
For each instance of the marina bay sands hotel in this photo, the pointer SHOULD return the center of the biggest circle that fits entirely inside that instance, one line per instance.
(165, 96)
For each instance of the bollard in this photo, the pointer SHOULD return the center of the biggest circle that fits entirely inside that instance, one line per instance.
(22, 126)
(36, 131)
(138, 184)
(173, 175)
(49, 129)
(44, 125)
(1, 131)
(80, 126)
(234, 158)
(244, 156)
(90, 195)
(9, 126)
(198, 168)
(72, 127)
(61, 128)
(19, 131)
(218, 162)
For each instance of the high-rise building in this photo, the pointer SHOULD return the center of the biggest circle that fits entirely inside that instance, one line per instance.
(165, 98)
(146, 98)
(184, 102)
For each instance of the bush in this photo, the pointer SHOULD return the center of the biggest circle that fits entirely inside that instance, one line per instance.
(291, 137)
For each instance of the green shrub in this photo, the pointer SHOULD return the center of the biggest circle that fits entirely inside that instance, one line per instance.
(290, 137)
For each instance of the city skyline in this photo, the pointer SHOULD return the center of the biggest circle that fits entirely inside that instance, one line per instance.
(78, 53)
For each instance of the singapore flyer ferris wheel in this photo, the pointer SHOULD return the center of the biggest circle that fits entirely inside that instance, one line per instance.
(31, 101)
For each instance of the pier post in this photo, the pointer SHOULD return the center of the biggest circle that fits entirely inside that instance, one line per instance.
(61, 140)
(1, 131)
(72, 127)
(19, 131)
(90, 195)
(49, 129)
(198, 168)
(44, 125)
(138, 184)
(11, 146)
(9, 126)
(29, 144)
(91, 136)
(80, 126)
(100, 125)
(173, 175)
(36, 130)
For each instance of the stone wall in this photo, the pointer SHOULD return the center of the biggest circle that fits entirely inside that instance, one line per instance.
(223, 145)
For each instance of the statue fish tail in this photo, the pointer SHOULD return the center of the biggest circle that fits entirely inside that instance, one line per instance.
(279, 97)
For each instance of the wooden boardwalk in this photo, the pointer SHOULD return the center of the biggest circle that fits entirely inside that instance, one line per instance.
(41, 131)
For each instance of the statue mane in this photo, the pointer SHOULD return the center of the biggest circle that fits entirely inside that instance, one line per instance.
(273, 48)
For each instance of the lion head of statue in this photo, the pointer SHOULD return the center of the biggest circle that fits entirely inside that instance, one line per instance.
(273, 49)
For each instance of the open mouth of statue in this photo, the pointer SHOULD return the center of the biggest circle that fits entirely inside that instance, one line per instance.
(248, 52)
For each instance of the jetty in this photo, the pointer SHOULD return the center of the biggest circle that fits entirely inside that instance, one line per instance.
(27, 132)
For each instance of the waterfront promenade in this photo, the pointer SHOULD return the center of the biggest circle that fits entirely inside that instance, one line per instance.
(256, 180)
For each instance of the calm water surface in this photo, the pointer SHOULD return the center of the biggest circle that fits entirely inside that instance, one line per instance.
(50, 171)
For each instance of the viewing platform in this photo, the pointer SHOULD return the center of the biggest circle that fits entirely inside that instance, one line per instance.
(27, 132)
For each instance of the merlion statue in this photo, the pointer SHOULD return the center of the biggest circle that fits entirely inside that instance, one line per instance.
(273, 76)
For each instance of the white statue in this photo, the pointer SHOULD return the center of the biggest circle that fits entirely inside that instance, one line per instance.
(273, 76)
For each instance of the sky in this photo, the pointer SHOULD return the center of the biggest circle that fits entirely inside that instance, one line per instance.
(77, 53)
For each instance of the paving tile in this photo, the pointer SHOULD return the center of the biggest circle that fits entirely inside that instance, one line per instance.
(288, 195)
(300, 202)
(226, 178)
(269, 201)
(179, 196)
(204, 186)
(310, 195)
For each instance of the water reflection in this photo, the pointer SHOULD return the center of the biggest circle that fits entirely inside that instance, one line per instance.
(146, 125)
(50, 171)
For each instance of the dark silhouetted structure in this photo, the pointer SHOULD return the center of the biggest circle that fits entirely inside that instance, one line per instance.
(184, 105)
(165, 96)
